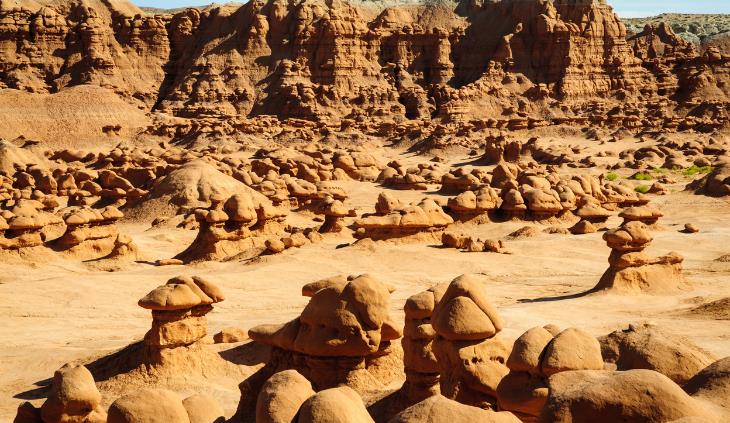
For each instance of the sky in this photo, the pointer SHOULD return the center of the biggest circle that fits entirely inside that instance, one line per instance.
(625, 8)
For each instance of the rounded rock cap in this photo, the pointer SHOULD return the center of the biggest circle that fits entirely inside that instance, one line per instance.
(170, 297)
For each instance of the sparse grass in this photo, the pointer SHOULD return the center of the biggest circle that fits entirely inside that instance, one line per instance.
(695, 170)
(612, 176)
(642, 189)
(642, 176)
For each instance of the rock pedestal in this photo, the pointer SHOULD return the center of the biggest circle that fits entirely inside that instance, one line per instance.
(342, 337)
(422, 370)
(471, 358)
(178, 313)
(632, 271)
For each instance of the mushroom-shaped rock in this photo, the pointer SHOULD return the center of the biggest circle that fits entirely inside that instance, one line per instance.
(281, 397)
(593, 213)
(334, 211)
(645, 214)
(632, 271)
(350, 321)
(148, 406)
(241, 208)
(470, 358)
(178, 311)
(170, 297)
(541, 203)
(632, 236)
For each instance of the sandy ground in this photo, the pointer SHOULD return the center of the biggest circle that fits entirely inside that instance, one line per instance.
(59, 311)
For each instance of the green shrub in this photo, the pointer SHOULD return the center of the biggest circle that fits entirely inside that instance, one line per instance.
(694, 170)
(612, 176)
(642, 189)
(661, 170)
(642, 176)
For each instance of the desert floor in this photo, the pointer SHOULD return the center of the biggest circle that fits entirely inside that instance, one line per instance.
(58, 311)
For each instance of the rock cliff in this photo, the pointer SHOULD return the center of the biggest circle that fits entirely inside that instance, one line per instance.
(485, 64)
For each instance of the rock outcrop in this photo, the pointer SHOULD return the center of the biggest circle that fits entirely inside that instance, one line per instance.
(649, 347)
(386, 70)
(178, 314)
(631, 396)
(537, 355)
(471, 356)
(342, 337)
(631, 271)
(426, 218)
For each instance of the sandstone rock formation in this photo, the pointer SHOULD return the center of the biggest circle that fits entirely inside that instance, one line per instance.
(471, 357)
(492, 65)
(89, 229)
(281, 397)
(439, 409)
(235, 225)
(425, 217)
(648, 347)
(631, 271)
(178, 314)
(157, 405)
(632, 396)
(421, 366)
(537, 355)
(343, 336)
(73, 396)
(717, 183)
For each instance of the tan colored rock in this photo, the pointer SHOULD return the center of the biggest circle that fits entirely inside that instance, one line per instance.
(648, 347)
(439, 409)
(148, 406)
(230, 335)
(202, 408)
(631, 396)
(470, 358)
(336, 405)
(73, 397)
(527, 351)
(572, 349)
(282, 396)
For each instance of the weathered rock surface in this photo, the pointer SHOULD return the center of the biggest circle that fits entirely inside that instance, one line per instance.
(501, 63)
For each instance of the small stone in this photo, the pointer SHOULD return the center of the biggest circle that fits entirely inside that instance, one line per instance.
(230, 335)
(691, 228)
(169, 262)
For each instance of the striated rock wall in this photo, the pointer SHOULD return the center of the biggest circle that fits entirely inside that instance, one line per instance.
(516, 64)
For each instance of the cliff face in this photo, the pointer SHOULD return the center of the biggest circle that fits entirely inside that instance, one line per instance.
(51, 45)
(510, 62)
